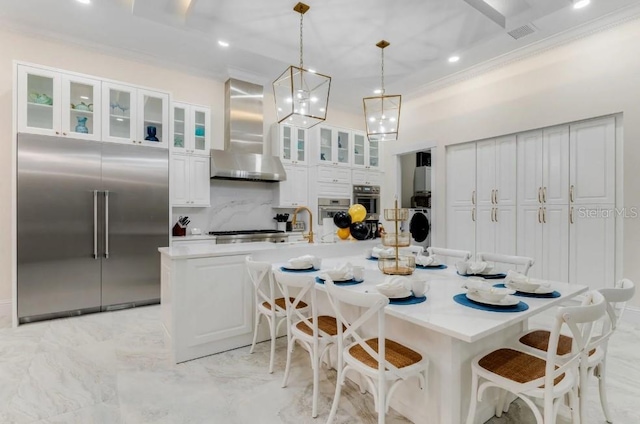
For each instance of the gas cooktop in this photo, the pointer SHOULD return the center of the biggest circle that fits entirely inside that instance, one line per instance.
(239, 232)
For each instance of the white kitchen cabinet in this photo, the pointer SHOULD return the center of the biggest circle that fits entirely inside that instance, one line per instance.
(485, 230)
(366, 177)
(290, 144)
(293, 192)
(592, 245)
(333, 146)
(190, 181)
(461, 175)
(366, 153)
(461, 228)
(334, 190)
(555, 165)
(220, 305)
(554, 259)
(496, 171)
(330, 174)
(58, 104)
(592, 162)
(496, 229)
(530, 169)
(135, 116)
(529, 240)
(191, 129)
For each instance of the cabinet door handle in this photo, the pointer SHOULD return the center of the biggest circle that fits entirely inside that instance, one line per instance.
(539, 194)
(473, 214)
(539, 217)
(473, 197)
(544, 195)
(496, 215)
(571, 215)
(57, 132)
(544, 215)
(571, 193)
(106, 224)
(64, 133)
(496, 196)
(95, 224)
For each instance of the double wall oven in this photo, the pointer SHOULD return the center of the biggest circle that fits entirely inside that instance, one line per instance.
(369, 197)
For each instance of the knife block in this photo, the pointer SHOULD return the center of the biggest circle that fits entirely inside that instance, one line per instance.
(179, 230)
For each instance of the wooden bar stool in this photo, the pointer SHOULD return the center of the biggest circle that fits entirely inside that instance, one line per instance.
(545, 377)
(317, 333)
(267, 304)
(378, 360)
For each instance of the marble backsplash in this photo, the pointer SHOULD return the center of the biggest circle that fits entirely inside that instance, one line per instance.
(235, 205)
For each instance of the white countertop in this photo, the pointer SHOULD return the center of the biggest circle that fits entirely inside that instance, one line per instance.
(283, 250)
(440, 312)
(193, 237)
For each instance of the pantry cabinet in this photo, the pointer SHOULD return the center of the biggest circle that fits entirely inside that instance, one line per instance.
(190, 177)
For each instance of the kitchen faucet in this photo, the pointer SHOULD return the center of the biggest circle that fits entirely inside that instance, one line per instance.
(295, 216)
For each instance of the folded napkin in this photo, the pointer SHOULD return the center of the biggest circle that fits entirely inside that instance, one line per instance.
(340, 273)
(478, 267)
(516, 277)
(426, 261)
(377, 252)
(477, 286)
(302, 261)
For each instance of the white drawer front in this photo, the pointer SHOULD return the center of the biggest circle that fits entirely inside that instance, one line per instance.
(334, 174)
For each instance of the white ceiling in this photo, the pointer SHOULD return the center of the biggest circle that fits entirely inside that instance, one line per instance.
(339, 36)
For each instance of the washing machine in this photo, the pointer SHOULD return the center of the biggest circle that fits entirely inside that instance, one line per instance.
(419, 224)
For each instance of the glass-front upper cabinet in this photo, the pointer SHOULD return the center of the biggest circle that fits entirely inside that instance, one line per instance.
(152, 126)
(119, 110)
(81, 113)
(365, 152)
(334, 146)
(292, 144)
(191, 129)
(39, 101)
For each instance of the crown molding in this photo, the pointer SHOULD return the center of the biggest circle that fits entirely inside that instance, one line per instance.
(555, 41)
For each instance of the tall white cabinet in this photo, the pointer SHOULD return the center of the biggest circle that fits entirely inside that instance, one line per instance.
(548, 194)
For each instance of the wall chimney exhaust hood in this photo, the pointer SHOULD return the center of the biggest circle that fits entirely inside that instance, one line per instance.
(243, 157)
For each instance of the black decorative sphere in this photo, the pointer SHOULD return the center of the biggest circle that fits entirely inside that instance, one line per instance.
(359, 231)
(342, 219)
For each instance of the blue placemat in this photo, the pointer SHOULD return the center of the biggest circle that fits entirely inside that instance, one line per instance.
(351, 282)
(411, 300)
(371, 258)
(285, 269)
(499, 276)
(441, 266)
(464, 301)
(551, 295)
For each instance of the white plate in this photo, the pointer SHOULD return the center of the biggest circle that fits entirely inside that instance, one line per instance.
(539, 290)
(508, 300)
(299, 266)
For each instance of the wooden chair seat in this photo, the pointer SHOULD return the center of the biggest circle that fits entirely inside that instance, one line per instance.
(280, 302)
(396, 354)
(515, 365)
(539, 339)
(326, 323)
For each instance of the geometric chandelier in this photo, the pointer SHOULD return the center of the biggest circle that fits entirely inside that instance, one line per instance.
(301, 96)
(382, 113)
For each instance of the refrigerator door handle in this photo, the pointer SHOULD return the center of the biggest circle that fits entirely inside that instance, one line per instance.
(106, 224)
(95, 224)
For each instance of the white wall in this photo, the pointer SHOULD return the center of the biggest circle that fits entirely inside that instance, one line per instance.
(593, 76)
(184, 87)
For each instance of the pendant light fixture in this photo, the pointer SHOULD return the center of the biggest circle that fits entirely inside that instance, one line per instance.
(382, 113)
(301, 96)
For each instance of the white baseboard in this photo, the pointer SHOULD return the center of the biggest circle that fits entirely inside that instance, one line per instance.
(632, 315)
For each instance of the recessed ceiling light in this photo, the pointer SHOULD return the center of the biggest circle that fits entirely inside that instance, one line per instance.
(581, 3)
(84, 1)
(222, 43)
(454, 59)
(377, 91)
(313, 71)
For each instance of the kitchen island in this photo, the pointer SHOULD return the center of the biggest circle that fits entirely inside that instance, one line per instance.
(210, 306)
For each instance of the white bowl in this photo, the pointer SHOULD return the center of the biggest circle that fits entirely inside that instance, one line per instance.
(495, 294)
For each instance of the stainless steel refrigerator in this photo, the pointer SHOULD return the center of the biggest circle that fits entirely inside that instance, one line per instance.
(90, 219)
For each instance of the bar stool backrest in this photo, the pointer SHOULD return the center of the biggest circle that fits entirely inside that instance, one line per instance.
(458, 255)
(261, 277)
(523, 261)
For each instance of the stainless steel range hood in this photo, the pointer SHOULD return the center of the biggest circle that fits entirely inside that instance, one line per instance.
(243, 157)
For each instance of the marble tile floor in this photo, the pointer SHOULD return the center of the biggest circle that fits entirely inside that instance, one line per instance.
(114, 368)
